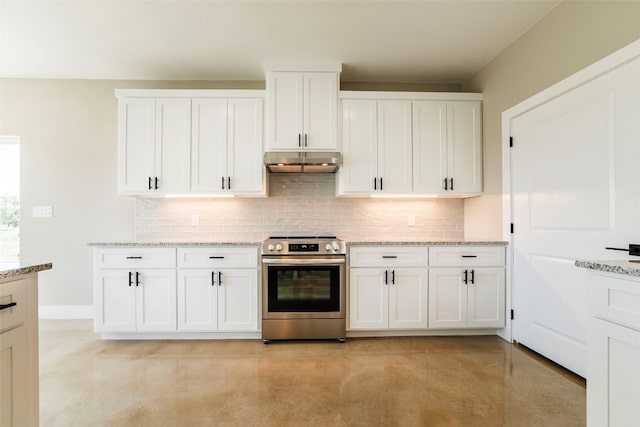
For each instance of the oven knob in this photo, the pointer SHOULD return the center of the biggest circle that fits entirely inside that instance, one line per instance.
(328, 247)
(270, 248)
(278, 247)
(336, 247)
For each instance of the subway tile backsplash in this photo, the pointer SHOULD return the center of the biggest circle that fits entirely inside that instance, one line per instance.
(299, 204)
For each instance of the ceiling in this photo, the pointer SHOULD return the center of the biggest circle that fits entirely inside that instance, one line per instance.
(376, 41)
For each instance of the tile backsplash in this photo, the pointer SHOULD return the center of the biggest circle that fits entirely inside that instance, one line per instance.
(299, 204)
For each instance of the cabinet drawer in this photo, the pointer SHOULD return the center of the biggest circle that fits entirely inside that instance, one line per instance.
(135, 258)
(467, 256)
(217, 257)
(388, 256)
(16, 292)
(616, 299)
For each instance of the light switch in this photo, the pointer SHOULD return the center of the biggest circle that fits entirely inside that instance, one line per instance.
(42, 211)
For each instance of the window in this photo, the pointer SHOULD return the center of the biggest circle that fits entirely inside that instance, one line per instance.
(9, 199)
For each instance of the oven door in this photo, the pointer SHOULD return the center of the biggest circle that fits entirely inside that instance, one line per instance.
(303, 287)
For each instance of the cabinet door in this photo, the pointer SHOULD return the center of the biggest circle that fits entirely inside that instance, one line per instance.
(368, 299)
(115, 301)
(173, 145)
(613, 391)
(136, 144)
(208, 144)
(359, 147)
(408, 298)
(197, 300)
(486, 298)
(238, 300)
(246, 171)
(394, 147)
(429, 146)
(447, 298)
(464, 147)
(320, 114)
(15, 393)
(285, 110)
(156, 301)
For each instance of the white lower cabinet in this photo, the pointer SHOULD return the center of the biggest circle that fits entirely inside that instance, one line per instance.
(217, 289)
(191, 289)
(142, 300)
(613, 382)
(392, 296)
(466, 297)
(217, 300)
(467, 287)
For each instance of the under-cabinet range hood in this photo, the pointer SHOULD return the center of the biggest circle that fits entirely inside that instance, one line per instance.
(303, 161)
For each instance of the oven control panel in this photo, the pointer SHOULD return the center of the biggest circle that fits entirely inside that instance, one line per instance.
(292, 246)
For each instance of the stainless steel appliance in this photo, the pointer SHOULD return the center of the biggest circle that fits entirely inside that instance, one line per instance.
(304, 162)
(303, 288)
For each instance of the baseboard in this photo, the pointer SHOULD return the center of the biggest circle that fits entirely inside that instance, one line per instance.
(66, 312)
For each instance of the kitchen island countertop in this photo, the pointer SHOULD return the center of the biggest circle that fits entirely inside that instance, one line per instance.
(627, 268)
(8, 270)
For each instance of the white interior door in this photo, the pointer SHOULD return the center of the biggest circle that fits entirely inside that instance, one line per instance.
(574, 192)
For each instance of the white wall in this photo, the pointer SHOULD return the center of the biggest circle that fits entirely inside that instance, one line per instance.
(571, 37)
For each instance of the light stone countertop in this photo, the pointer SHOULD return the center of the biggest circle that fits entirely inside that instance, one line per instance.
(430, 243)
(128, 244)
(626, 268)
(9, 270)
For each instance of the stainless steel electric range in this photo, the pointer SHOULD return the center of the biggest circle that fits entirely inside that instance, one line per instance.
(303, 288)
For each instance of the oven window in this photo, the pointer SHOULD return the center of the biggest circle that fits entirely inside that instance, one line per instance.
(304, 288)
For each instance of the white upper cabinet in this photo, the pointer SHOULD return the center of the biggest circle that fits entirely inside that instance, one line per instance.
(376, 145)
(447, 147)
(302, 110)
(411, 143)
(190, 142)
(154, 139)
(226, 154)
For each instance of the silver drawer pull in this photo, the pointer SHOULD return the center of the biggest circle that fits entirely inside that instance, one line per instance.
(5, 306)
(134, 257)
(390, 256)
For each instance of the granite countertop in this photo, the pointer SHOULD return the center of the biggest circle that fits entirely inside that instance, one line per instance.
(620, 267)
(8, 270)
(133, 243)
(430, 243)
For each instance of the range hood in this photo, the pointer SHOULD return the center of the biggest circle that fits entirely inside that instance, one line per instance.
(303, 161)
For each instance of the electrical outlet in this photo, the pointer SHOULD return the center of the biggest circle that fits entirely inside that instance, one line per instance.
(411, 220)
(195, 220)
(42, 211)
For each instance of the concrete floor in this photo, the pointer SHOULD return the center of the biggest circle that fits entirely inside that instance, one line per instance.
(422, 381)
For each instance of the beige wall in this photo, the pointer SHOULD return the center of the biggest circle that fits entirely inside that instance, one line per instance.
(571, 37)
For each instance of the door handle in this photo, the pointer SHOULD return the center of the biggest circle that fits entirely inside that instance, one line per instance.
(134, 257)
(149, 183)
(213, 278)
(375, 183)
(219, 278)
(299, 140)
(380, 183)
(156, 182)
(137, 278)
(469, 256)
(222, 182)
(228, 183)
(130, 278)
(386, 277)
(5, 306)
(393, 277)
(466, 277)
(451, 182)
(305, 139)
(446, 184)
(473, 277)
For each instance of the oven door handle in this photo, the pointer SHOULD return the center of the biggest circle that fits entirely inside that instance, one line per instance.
(305, 261)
